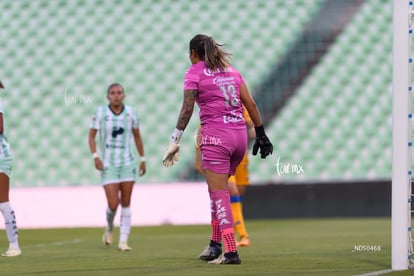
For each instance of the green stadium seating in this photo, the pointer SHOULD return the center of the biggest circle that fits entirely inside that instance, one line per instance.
(80, 47)
(338, 124)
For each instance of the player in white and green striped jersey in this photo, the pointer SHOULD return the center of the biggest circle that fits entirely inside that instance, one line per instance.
(118, 128)
(6, 160)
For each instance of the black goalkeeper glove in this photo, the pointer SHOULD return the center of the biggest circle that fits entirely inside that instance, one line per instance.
(262, 142)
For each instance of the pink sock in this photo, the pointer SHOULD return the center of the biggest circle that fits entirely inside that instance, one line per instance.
(229, 241)
(221, 200)
(215, 229)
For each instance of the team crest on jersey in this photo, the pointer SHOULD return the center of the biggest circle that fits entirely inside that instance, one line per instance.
(117, 131)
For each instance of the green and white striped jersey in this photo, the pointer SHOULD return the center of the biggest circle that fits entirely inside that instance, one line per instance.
(5, 149)
(115, 134)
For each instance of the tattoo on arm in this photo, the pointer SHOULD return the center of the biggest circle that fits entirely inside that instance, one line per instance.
(186, 109)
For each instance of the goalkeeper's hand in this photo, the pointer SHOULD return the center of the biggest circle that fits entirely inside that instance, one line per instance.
(171, 155)
(262, 142)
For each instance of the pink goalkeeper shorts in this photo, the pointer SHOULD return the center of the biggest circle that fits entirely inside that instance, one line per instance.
(222, 149)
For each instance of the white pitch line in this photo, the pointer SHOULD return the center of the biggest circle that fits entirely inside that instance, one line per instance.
(374, 273)
(57, 243)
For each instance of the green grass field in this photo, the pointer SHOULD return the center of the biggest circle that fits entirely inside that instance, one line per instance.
(279, 247)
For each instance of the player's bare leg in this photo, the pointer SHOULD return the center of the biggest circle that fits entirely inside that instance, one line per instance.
(112, 197)
(9, 218)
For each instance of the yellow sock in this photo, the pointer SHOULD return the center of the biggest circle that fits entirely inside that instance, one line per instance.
(239, 226)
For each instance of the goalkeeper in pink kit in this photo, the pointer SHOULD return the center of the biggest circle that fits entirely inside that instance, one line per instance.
(219, 90)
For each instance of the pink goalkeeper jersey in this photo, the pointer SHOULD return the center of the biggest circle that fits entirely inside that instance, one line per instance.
(218, 95)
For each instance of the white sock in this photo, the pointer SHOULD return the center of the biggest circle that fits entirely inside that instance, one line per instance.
(125, 224)
(110, 215)
(10, 223)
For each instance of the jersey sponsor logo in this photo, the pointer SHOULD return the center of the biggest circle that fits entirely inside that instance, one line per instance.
(108, 118)
(208, 72)
(223, 80)
(221, 213)
(117, 131)
(115, 146)
(233, 118)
